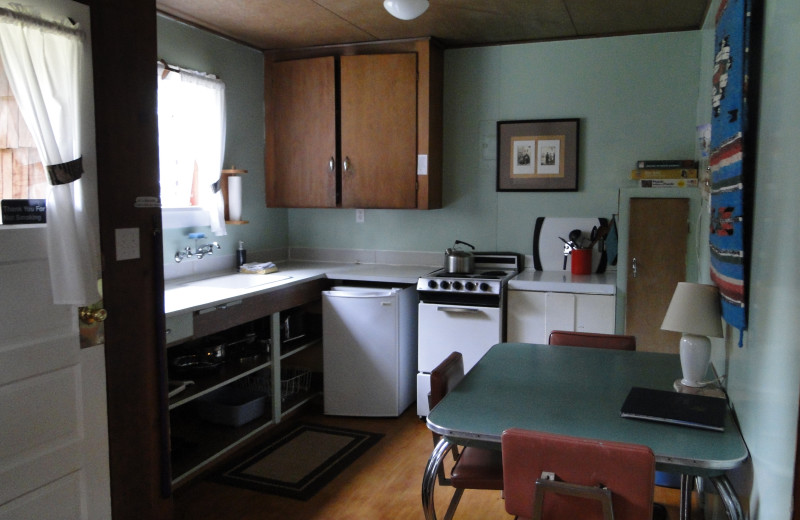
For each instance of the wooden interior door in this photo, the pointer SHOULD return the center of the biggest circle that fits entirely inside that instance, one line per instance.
(379, 131)
(301, 133)
(657, 245)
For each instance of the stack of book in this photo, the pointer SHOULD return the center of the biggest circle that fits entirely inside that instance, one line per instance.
(679, 173)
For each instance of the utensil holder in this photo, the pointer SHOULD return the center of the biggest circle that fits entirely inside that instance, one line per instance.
(581, 261)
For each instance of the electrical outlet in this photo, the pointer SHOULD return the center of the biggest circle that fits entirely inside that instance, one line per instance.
(360, 216)
(127, 243)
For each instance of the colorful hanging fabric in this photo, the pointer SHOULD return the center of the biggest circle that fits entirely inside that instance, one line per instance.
(729, 176)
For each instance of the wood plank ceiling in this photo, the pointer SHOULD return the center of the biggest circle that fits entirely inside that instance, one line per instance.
(288, 24)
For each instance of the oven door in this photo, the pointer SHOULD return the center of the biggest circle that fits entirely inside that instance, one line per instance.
(444, 328)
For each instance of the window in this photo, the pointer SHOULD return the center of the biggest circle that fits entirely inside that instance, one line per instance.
(22, 175)
(191, 128)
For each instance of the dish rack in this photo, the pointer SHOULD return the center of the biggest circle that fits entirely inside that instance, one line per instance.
(294, 381)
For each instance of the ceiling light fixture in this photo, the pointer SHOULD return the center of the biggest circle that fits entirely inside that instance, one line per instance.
(405, 9)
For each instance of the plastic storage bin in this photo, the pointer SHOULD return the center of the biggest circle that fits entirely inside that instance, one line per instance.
(231, 406)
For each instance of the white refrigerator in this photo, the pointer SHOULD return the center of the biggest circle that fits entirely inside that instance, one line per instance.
(369, 350)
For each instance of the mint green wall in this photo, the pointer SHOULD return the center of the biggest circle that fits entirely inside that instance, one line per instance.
(242, 70)
(635, 96)
(764, 374)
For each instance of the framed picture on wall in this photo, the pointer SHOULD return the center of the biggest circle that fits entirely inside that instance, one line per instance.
(537, 155)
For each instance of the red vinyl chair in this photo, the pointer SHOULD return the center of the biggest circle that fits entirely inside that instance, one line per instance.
(474, 468)
(591, 339)
(556, 477)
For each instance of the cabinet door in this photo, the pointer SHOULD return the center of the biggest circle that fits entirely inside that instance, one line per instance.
(526, 315)
(595, 313)
(301, 154)
(379, 131)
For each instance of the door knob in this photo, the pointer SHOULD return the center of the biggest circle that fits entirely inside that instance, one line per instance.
(634, 269)
(88, 315)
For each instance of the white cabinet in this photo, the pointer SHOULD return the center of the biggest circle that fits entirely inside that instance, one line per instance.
(532, 315)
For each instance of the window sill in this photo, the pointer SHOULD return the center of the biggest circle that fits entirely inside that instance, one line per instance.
(173, 218)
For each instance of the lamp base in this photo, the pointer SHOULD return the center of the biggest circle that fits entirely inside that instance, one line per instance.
(695, 355)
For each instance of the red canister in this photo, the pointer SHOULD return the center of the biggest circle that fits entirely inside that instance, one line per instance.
(581, 261)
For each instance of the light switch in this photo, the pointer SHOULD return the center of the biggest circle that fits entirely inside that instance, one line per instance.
(360, 216)
(127, 243)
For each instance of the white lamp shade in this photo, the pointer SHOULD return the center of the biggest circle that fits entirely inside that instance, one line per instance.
(694, 309)
(405, 9)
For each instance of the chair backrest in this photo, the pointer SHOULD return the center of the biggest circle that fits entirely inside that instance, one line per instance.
(627, 470)
(445, 376)
(592, 339)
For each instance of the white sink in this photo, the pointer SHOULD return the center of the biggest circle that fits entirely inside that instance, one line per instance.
(238, 281)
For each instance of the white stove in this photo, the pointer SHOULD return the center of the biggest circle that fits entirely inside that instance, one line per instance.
(462, 312)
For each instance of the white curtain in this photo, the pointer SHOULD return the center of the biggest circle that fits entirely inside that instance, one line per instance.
(43, 62)
(191, 129)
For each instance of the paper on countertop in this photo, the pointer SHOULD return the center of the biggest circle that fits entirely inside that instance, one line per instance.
(258, 268)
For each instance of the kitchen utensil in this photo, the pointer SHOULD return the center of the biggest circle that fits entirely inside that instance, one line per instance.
(192, 364)
(212, 349)
(548, 251)
(458, 260)
(599, 235)
(574, 238)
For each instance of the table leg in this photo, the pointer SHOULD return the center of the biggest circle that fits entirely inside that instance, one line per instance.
(729, 497)
(429, 478)
(685, 512)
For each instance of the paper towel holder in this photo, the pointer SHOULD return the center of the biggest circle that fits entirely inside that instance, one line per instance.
(225, 174)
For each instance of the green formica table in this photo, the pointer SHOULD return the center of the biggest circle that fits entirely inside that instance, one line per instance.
(579, 391)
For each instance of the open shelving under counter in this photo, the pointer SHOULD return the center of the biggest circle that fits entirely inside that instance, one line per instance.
(237, 373)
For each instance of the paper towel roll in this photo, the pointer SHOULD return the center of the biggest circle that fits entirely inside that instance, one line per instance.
(234, 197)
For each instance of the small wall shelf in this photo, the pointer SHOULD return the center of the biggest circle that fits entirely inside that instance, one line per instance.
(225, 175)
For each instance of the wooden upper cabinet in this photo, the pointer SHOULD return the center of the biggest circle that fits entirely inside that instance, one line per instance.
(302, 172)
(379, 131)
(348, 126)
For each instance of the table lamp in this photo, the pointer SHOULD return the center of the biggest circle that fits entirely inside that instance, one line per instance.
(695, 312)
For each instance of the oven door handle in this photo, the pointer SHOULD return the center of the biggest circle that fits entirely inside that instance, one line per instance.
(459, 310)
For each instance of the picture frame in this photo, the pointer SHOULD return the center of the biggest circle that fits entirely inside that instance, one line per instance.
(537, 155)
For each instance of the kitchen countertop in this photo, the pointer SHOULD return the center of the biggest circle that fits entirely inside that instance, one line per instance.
(565, 281)
(188, 294)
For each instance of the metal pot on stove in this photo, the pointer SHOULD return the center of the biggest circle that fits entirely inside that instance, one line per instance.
(459, 261)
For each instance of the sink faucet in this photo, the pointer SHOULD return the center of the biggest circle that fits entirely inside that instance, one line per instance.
(199, 252)
(207, 249)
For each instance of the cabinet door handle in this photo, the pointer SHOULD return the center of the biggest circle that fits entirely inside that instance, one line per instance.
(346, 164)
(332, 165)
(634, 268)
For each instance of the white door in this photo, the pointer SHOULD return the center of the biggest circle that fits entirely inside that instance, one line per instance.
(53, 427)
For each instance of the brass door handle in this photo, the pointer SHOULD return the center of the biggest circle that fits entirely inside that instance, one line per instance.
(90, 316)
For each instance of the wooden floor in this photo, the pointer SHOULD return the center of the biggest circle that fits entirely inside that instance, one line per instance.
(384, 483)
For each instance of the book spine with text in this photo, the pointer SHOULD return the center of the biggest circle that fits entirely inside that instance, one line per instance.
(667, 183)
(672, 163)
(665, 173)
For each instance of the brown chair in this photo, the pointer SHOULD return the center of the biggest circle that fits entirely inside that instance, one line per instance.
(474, 468)
(592, 339)
(556, 477)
